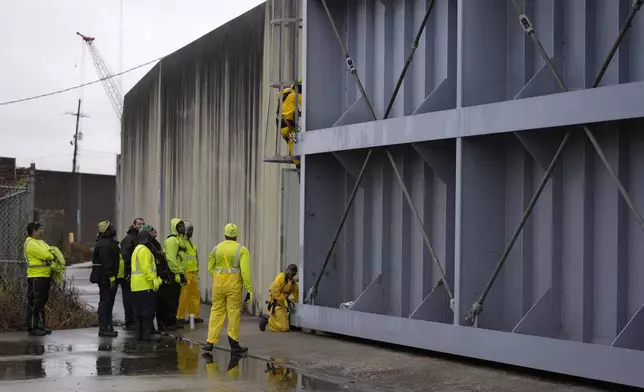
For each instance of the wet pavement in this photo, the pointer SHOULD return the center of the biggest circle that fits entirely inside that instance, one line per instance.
(78, 360)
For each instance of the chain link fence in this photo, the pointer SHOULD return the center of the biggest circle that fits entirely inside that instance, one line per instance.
(14, 216)
(16, 210)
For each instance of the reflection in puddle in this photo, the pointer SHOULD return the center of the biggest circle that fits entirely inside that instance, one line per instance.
(129, 358)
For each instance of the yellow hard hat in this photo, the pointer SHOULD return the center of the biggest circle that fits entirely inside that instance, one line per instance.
(299, 80)
(230, 230)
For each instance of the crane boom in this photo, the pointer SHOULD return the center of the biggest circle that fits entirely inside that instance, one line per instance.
(106, 76)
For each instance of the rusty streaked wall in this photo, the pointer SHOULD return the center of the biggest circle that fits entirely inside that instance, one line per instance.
(193, 142)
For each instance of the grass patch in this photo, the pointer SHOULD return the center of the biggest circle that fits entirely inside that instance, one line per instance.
(64, 310)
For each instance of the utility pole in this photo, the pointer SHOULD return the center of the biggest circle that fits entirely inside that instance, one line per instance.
(78, 114)
(77, 134)
(75, 175)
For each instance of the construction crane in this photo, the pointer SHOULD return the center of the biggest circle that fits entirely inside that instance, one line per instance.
(106, 76)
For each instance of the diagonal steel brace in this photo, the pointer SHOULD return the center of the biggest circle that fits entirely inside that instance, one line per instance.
(351, 65)
(476, 309)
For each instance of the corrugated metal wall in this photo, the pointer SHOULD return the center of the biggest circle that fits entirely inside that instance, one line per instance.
(193, 143)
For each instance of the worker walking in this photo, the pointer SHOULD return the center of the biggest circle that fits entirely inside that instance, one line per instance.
(190, 299)
(107, 264)
(280, 306)
(174, 248)
(144, 284)
(229, 264)
(128, 244)
(39, 258)
(288, 125)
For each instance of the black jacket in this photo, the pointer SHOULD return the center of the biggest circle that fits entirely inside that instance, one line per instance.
(106, 259)
(162, 264)
(127, 247)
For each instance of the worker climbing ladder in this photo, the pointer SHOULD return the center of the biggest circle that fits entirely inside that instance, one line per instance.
(284, 59)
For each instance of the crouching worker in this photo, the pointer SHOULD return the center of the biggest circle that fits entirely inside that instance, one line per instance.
(279, 305)
(144, 284)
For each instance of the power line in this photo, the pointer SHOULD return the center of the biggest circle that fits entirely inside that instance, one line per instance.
(78, 86)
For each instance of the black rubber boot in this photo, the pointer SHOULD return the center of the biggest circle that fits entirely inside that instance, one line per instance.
(208, 357)
(208, 347)
(107, 333)
(263, 322)
(235, 347)
(198, 320)
(38, 332)
(148, 328)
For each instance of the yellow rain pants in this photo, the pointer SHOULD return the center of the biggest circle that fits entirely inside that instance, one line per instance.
(229, 264)
(285, 131)
(226, 301)
(189, 301)
(280, 290)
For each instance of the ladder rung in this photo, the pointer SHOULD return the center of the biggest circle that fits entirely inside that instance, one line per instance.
(281, 159)
(285, 85)
(285, 20)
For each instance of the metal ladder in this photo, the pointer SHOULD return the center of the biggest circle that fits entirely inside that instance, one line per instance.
(285, 25)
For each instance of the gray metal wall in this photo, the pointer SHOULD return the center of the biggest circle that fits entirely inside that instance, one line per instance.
(193, 143)
(476, 123)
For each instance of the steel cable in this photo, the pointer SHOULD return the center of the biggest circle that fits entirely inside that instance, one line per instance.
(313, 291)
(477, 307)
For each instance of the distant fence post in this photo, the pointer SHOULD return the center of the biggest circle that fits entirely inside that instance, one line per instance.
(31, 193)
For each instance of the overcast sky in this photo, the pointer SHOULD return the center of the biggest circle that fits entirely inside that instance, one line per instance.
(41, 52)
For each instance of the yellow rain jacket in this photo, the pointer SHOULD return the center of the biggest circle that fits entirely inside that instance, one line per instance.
(57, 266)
(192, 264)
(144, 270)
(174, 248)
(288, 113)
(280, 291)
(38, 257)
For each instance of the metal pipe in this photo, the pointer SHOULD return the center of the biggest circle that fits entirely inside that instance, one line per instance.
(477, 307)
(313, 291)
(420, 221)
(280, 75)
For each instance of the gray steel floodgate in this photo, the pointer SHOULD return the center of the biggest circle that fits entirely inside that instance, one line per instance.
(474, 134)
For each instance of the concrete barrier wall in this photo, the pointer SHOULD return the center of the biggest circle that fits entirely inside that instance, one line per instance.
(193, 143)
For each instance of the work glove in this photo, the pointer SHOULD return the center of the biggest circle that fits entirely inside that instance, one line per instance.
(177, 278)
(290, 305)
(113, 283)
(184, 281)
(249, 297)
(156, 283)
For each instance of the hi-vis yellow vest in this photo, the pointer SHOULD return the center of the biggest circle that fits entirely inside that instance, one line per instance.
(144, 269)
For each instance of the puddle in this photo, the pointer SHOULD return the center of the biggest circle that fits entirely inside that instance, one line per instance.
(126, 357)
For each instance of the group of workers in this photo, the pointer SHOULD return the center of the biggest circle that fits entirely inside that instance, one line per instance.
(157, 281)
(162, 282)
